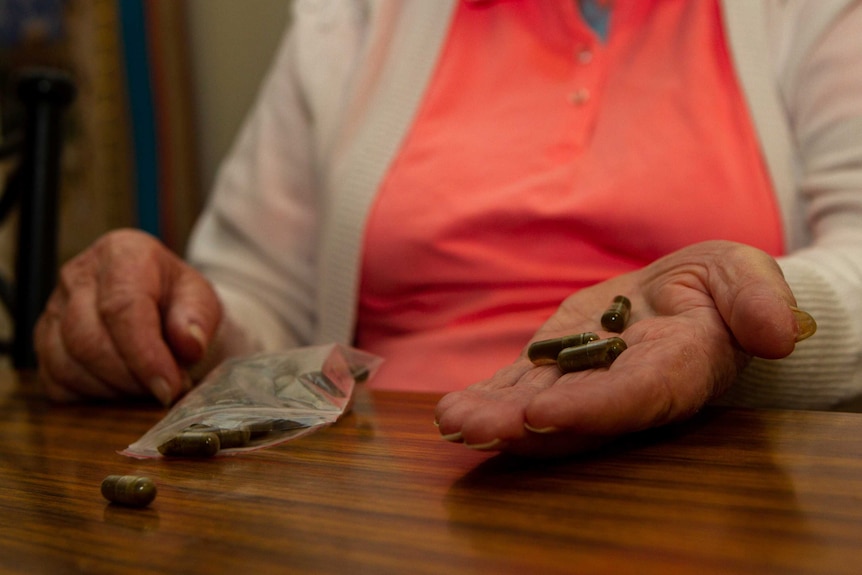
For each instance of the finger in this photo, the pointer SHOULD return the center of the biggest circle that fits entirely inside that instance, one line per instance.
(751, 295)
(505, 377)
(134, 324)
(756, 303)
(478, 420)
(650, 384)
(131, 290)
(88, 343)
(192, 316)
(494, 409)
(43, 347)
(55, 392)
(63, 377)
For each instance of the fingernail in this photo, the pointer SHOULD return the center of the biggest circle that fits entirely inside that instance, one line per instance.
(198, 335)
(493, 444)
(804, 322)
(453, 437)
(161, 390)
(187, 383)
(549, 429)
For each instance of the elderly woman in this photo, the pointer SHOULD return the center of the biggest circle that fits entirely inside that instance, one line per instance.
(442, 182)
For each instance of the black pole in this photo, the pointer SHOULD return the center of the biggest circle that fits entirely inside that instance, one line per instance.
(44, 94)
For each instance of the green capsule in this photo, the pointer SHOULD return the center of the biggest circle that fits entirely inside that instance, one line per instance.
(236, 437)
(227, 437)
(257, 428)
(287, 425)
(129, 490)
(360, 373)
(191, 444)
(616, 316)
(600, 353)
(545, 352)
(201, 427)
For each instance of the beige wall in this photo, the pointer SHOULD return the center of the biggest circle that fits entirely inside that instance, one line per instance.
(232, 44)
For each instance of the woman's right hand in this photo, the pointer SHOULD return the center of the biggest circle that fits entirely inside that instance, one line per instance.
(125, 319)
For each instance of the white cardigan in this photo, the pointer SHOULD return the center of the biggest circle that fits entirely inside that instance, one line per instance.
(282, 233)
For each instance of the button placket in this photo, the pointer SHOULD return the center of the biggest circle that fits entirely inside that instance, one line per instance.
(587, 71)
(583, 56)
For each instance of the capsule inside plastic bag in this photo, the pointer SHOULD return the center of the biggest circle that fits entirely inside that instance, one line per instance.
(258, 401)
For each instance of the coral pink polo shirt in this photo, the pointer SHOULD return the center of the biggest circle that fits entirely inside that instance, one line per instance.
(543, 160)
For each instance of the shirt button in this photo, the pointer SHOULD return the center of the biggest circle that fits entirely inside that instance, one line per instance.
(585, 56)
(579, 96)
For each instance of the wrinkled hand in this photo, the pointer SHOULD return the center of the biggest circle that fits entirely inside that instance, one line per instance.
(125, 318)
(698, 316)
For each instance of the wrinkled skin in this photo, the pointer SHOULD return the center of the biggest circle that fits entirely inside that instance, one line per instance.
(698, 316)
(125, 319)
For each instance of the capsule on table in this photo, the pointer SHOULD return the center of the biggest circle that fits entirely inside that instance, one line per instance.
(191, 444)
(601, 353)
(545, 352)
(617, 314)
(129, 490)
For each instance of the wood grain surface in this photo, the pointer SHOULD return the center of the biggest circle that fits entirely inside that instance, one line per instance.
(732, 491)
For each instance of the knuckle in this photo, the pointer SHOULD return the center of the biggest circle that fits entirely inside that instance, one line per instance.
(117, 301)
(82, 348)
(121, 241)
(76, 273)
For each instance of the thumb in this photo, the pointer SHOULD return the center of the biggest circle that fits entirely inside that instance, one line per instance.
(758, 305)
(192, 315)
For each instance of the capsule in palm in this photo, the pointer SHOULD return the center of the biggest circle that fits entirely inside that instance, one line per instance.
(601, 353)
(129, 490)
(191, 444)
(545, 352)
(617, 315)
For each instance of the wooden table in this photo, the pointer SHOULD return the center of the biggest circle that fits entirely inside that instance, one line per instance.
(733, 491)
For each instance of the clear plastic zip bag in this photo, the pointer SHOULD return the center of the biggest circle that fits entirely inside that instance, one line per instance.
(258, 401)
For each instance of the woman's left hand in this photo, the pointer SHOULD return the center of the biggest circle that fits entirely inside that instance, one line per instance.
(698, 316)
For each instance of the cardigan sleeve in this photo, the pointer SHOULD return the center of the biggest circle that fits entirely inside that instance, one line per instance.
(822, 92)
(256, 239)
